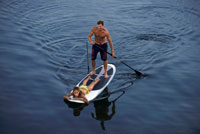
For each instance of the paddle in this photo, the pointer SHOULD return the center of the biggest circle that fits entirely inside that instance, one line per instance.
(87, 57)
(137, 72)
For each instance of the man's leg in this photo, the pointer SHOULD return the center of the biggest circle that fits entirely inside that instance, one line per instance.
(94, 53)
(105, 69)
(104, 58)
(93, 67)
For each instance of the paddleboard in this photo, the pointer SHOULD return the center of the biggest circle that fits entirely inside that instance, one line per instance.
(101, 85)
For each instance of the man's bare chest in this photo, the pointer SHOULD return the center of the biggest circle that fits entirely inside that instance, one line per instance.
(100, 34)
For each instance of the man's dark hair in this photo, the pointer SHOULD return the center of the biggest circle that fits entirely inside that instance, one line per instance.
(100, 22)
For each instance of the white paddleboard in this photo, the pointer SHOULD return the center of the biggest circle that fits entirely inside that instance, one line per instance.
(101, 85)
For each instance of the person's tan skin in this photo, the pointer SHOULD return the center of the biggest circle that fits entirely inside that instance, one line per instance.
(101, 35)
(79, 93)
(77, 96)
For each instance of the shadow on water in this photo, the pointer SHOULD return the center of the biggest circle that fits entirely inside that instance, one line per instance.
(102, 109)
(77, 107)
(101, 105)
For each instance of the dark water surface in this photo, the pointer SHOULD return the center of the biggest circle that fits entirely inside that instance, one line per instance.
(43, 55)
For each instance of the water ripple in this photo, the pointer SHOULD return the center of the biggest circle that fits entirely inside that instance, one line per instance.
(156, 37)
(43, 55)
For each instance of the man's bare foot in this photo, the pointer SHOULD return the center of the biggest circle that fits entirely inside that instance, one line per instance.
(106, 75)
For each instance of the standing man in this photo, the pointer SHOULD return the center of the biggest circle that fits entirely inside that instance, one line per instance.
(101, 35)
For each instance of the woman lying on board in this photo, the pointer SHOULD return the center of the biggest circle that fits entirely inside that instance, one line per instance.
(79, 93)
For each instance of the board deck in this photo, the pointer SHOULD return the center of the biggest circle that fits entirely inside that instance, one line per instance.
(101, 85)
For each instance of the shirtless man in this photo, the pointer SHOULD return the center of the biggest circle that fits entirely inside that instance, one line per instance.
(101, 35)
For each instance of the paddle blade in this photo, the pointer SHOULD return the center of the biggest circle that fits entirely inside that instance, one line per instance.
(139, 74)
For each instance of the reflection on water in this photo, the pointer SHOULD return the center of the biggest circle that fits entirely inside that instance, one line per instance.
(102, 113)
(101, 105)
(77, 107)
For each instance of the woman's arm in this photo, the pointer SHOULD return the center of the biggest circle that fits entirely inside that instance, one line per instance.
(68, 96)
(82, 98)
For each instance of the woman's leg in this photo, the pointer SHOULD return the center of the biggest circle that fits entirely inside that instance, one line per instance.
(91, 86)
(86, 80)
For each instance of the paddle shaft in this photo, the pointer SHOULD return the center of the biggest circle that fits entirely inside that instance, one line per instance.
(137, 72)
(88, 57)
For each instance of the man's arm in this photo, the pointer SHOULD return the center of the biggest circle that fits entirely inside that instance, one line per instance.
(90, 36)
(110, 43)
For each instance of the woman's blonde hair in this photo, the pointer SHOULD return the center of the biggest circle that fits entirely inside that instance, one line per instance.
(76, 88)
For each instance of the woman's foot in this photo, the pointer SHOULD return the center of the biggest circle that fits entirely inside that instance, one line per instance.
(97, 79)
(89, 78)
